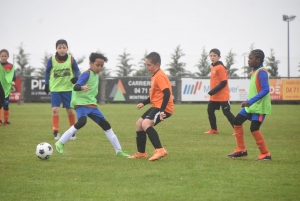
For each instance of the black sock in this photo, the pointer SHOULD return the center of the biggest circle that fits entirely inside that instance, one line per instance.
(153, 137)
(141, 139)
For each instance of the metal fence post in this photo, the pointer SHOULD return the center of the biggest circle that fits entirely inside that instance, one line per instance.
(102, 89)
(21, 101)
(178, 84)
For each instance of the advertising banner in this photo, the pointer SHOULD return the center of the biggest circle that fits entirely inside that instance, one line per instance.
(131, 89)
(15, 94)
(291, 89)
(197, 89)
(34, 90)
(285, 89)
(276, 89)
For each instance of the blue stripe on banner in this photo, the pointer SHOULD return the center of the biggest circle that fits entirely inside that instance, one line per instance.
(188, 89)
(185, 88)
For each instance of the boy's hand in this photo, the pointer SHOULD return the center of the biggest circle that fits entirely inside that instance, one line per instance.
(140, 105)
(46, 88)
(74, 80)
(162, 115)
(245, 104)
(85, 88)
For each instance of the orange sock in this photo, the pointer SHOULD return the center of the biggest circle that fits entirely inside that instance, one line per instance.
(55, 123)
(6, 115)
(239, 137)
(0, 114)
(71, 119)
(260, 142)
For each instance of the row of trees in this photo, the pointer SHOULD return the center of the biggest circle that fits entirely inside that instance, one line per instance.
(175, 67)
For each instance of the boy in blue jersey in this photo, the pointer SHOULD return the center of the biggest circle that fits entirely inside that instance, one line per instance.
(85, 103)
(7, 80)
(61, 73)
(254, 109)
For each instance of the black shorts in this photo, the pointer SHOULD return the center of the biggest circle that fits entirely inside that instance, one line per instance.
(213, 105)
(153, 114)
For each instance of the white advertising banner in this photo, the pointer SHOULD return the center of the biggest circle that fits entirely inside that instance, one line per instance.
(197, 89)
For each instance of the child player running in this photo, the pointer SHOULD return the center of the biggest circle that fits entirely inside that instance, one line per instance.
(161, 99)
(7, 80)
(85, 103)
(254, 109)
(61, 73)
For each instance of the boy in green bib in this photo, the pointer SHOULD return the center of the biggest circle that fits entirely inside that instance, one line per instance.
(61, 73)
(254, 109)
(85, 103)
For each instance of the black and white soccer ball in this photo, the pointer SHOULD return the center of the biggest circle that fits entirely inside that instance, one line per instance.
(44, 150)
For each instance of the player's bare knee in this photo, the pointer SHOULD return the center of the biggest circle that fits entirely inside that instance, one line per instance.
(55, 111)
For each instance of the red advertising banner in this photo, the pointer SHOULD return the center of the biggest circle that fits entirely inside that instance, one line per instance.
(15, 94)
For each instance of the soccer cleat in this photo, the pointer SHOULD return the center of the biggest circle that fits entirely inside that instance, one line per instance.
(59, 147)
(0, 123)
(56, 135)
(73, 137)
(212, 131)
(139, 155)
(237, 154)
(158, 153)
(122, 153)
(264, 157)
(6, 123)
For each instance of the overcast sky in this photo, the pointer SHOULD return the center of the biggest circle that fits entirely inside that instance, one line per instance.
(137, 26)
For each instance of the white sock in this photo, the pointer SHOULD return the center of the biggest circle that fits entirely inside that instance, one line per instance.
(67, 135)
(113, 140)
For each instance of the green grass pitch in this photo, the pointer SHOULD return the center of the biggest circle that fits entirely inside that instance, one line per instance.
(197, 167)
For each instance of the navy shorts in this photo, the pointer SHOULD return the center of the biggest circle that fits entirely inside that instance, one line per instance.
(252, 117)
(92, 112)
(61, 97)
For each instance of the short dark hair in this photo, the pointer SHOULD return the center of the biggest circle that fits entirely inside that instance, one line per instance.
(258, 54)
(154, 57)
(96, 55)
(216, 51)
(61, 42)
(4, 50)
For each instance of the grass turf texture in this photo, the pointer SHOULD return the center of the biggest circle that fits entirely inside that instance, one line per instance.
(197, 167)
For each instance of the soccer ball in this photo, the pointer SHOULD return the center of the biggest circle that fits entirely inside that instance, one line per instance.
(44, 150)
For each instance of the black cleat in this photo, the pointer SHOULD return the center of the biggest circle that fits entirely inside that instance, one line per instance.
(264, 157)
(6, 123)
(237, 154)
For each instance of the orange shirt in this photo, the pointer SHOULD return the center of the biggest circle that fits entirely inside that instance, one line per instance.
(159, 82)
(218, 73)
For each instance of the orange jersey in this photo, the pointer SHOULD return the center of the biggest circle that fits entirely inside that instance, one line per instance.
(218, 73)
(159, 82)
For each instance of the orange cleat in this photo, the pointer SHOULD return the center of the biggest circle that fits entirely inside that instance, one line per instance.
(158, 153)
(139, 155)
(212, 131)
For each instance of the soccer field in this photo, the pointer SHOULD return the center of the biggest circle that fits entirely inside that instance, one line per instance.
(197, 167)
